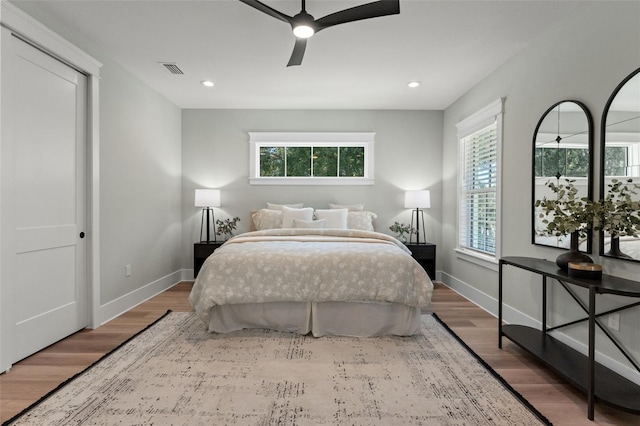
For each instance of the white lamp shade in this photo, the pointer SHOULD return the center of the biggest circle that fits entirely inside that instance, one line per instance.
(207, 198)
(417, 199)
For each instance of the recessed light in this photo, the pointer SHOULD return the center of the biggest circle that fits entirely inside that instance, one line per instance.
(413, 84)
(207, 83)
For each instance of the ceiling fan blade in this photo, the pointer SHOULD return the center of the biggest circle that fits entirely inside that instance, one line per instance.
(268, 10)
(365, 11)
(298, 52)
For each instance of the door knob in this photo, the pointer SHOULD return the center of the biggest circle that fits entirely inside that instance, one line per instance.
(82, 235)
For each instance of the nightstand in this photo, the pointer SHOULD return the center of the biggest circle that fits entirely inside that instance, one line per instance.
(425, 254)
(201, 251)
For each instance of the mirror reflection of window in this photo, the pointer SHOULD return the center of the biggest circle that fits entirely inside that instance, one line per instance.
(621, 157)
(562, 150)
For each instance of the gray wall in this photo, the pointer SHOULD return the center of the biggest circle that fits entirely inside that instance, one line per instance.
(140, 184)
(215, 154)
(583, 59)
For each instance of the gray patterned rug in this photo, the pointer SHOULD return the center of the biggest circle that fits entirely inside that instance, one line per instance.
(175, 373)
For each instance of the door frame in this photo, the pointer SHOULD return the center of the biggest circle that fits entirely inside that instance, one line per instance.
(14, 22)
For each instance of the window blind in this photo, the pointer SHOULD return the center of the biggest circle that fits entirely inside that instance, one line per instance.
(478, 191)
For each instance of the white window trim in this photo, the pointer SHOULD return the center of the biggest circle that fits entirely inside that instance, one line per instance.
(260, 139)
(466, 127)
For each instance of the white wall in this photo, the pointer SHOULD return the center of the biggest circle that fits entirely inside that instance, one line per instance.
(582, 59)
(215, 154)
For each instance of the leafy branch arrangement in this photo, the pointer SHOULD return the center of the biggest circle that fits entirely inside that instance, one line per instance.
(401, 229)
(227, 226)
(570, 212)
(618, 214)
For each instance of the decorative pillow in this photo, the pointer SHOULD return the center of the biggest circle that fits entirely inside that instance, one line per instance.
(315, 224)
(361, 220)
(288, 214)
(350, 207)
(267, 219)
(272, 206)
(336, 218)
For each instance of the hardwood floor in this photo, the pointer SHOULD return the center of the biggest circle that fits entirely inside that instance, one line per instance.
(33, 377)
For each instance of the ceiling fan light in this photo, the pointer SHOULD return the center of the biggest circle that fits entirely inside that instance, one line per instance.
(303, 31)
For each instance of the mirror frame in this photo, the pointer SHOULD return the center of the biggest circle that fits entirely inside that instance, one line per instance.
(603, 143)
(590, 181)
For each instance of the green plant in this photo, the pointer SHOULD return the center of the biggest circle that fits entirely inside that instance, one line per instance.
(566, 213)
(618, 213)
(227, 226)
(401, 229)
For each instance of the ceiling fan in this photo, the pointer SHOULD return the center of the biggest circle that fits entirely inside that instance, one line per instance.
(304, 25)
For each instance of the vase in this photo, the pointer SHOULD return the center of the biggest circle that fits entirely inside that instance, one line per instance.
(573, 255)
(402, 238)
(615, 251)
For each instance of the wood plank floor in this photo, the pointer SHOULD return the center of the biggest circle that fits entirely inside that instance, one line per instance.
(30, 379)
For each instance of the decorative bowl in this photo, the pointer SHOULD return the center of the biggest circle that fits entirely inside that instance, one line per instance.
(591, 271)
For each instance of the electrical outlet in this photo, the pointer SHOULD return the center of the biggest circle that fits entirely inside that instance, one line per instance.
(614, 321)
(127, 270)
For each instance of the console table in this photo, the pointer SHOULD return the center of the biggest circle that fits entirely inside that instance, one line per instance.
(598, 382)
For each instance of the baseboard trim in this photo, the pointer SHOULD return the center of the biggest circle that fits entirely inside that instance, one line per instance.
(187, 275)
(487, 302)
(122, 304)
(513, 316)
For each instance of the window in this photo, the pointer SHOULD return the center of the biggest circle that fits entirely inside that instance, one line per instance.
(562, 162)
(311, 158)
(622, 155)
(479, 138)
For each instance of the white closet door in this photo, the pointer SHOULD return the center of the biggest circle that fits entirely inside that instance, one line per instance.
(43, 196)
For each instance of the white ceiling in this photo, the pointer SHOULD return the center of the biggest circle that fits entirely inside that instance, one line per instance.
(447, 45)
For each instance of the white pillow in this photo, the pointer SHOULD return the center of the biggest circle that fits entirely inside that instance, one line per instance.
(350, 207)
(336, 218)
(311, 224)
(361, 220)
(272, 206)
(288, 214)
(267, 219)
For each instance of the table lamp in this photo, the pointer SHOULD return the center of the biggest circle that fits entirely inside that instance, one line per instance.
(208, 198)
(417, 200)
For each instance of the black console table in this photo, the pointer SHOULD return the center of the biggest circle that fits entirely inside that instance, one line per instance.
(598, 382)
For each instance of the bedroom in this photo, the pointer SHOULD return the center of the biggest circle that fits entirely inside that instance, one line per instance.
(147, 218)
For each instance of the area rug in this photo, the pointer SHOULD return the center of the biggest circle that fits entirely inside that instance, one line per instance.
(176, 373)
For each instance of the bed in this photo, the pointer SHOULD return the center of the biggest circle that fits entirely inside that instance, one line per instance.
(332, 281)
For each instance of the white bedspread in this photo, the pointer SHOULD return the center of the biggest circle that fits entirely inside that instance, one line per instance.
(310, 265)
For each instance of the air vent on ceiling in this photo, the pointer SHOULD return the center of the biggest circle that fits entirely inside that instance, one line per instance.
(172, 67)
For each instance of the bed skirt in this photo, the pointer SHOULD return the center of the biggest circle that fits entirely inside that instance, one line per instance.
(357, 319)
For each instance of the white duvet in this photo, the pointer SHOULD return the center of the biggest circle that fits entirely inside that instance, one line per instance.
(310, 265)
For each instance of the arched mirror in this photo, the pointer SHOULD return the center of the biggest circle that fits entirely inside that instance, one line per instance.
(620, 169)
(562, 149)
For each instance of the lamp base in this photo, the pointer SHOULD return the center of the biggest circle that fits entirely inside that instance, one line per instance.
(210, 223)
(419, 214)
